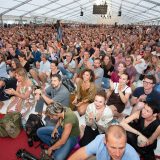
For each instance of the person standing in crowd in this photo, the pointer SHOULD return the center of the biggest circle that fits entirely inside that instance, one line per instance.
(59, 30)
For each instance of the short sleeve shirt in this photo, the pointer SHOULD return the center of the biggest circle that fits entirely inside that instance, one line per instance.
(98, 148)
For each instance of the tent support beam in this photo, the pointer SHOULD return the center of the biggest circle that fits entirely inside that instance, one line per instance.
(1, 20)
(47, 4)
(15, 7)
(75, 1)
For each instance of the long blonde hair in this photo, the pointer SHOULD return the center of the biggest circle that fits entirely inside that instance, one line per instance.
(21, 72)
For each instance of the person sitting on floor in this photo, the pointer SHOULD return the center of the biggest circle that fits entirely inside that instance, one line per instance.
(3, 67)
(67, 127)
(118, 94)
(22, 99)
(53, 70)
(86, 91)
(39, 74)
(98, 116)
(145, 93)
(68, 66)
(112, 145)
(143, 130)
(55, 92)
(6, 83)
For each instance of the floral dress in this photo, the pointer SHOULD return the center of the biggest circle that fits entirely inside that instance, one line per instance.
(23, 105)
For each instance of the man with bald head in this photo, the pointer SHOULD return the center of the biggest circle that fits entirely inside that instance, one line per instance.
(111, 146)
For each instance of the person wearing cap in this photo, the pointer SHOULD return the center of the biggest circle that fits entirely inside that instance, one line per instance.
(67, 127)
(144, 130)
(111, 146)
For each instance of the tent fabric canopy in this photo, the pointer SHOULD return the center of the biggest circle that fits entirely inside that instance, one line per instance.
(69, 10)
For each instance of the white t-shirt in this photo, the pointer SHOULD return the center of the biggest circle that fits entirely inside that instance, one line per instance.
(104, 120)
(72, 64)
(44, 67)
(141, 66)
(126, 89)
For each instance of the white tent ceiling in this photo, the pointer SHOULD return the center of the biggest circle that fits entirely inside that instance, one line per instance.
(132, 11)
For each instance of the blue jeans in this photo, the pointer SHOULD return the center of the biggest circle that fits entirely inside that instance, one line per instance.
(44, 133)
(105, 83)
(68, 74)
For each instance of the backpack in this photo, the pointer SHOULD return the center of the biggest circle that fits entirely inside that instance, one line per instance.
(33, 123)
(68, 84)
(10, 125)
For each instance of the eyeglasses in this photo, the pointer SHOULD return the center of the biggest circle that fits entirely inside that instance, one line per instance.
(145, 82)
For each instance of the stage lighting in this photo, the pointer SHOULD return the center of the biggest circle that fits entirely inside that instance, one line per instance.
(119, 13)
(81, 13)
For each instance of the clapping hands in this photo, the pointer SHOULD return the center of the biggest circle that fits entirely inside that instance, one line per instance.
(10, 91)
(142, 141)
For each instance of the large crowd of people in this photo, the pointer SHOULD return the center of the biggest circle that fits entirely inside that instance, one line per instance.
(111, 67)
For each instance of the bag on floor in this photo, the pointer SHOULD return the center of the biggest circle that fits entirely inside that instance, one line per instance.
(33, 123)
(68, 84)
(10, 125)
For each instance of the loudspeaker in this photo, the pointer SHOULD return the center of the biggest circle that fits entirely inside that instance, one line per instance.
(119, 13)
(81, 14)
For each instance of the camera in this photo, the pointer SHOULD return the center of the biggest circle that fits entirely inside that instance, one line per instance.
(25, 155)
(55, 138)
(37, 87)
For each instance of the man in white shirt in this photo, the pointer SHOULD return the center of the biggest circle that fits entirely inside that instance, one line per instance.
(40, 75)
(69, 66)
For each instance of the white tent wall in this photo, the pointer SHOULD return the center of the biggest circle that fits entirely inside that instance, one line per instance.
(46, 11)
(17, 20)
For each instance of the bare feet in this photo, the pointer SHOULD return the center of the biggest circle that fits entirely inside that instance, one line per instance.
(1, 104)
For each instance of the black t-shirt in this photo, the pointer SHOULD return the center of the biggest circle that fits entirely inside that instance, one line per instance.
(27, 66)
(9, 83)
(107, 70)
(154, 96)
(10, 57)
